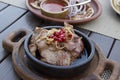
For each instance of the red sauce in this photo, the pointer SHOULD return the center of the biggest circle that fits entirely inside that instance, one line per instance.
(53, 6)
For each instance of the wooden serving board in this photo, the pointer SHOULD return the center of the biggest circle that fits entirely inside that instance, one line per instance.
(100, 68)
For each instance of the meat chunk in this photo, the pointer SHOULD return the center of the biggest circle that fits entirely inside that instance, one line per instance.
(38, 33)
(49, 56)
(41, 44)
(64, 59)
(33, 49)
(76, 46)
(34, 42)
(59, 57)
(79, 48)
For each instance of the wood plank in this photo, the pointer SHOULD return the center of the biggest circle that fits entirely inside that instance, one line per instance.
(103, 42)
(2, 5)
(18, 3)
(115, 52)
(6, 70)
(28, 21)
(86, 32)
(3, 53)
(9, 15)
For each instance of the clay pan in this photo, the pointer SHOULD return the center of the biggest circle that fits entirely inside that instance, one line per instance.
(95, 4)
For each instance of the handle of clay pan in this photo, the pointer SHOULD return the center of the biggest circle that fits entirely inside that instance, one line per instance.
(108, 70)
(14, 38)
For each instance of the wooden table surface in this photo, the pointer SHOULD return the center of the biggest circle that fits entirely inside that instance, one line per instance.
(13, 18)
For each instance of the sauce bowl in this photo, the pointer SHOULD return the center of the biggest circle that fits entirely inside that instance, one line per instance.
(54, 8)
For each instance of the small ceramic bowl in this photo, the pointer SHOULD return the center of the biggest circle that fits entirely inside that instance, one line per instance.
(75, 69)
(54, 8)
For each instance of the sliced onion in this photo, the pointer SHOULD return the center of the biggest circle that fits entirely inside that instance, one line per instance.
(81, 10)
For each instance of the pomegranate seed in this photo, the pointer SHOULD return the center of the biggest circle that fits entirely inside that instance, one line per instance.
(63, 39)
(69, 35)
(59, 39)
(55, 38)
(55, 33)
(62, 30)
(59, 36)
(51, 36)
(62, 35)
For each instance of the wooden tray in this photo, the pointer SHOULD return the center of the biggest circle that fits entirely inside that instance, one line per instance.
(99, 69)
(95, 4)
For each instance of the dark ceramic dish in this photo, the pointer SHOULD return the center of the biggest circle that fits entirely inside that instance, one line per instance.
(76, 68)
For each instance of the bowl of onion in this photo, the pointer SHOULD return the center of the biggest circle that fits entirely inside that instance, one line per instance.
(58, 51)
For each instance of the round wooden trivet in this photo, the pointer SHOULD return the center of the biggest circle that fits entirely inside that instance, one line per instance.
(100, 68)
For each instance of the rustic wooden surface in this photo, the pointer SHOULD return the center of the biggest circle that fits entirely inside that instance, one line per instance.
(13, 18)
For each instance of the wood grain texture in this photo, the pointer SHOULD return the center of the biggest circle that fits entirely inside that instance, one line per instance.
(6, 70)
(86, 32)
(2, 5)
(28, 21)
(104, 42)
(115, 53)
(9, 15)
(18, 3)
